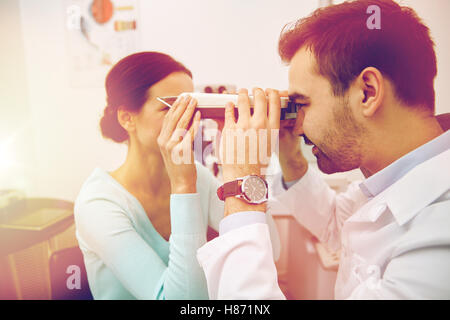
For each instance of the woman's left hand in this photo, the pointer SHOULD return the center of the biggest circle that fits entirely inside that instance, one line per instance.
(175, 142)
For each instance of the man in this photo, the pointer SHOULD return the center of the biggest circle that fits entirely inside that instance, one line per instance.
(367, 101)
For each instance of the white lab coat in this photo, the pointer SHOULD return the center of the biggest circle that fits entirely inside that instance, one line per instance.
(394, 246)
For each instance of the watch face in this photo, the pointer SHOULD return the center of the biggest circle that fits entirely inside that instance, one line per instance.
(255, 189)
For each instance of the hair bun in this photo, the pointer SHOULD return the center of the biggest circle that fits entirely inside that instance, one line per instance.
(111, 127)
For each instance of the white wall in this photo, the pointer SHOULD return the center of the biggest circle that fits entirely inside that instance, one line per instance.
(67, 140)
(233, 41)
(223, 41)
(220, 41)
(434, 14)
(16, 152)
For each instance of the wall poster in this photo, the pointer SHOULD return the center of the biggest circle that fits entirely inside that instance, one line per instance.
(98, 34)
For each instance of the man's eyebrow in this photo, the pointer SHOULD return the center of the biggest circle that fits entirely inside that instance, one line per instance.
(298, 96)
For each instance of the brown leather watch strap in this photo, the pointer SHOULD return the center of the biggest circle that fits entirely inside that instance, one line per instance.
(229, 189)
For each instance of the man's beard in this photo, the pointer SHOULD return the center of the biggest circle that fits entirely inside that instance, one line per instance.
(339, 150)
(325, 164)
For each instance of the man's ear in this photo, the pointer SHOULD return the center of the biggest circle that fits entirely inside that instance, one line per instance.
(371, 83)
(126, 119)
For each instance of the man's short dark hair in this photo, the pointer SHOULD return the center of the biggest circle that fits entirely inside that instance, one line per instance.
(402, 49)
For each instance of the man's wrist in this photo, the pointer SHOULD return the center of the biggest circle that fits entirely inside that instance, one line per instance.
(234, 205)
(231, 174)
(294, 169)
(241, 219)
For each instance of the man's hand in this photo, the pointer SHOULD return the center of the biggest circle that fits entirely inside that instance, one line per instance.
(293, 164)
(247, 144)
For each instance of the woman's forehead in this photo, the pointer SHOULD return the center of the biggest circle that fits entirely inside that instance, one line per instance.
(172, 85)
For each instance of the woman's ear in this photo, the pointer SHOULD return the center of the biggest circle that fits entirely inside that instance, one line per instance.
(126, 119)
(372, 86)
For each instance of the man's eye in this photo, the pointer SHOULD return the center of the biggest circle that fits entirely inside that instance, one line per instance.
(298, 105)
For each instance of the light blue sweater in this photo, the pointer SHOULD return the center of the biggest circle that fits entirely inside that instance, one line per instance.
(124, 255)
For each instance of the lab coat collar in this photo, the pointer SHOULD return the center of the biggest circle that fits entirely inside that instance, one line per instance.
(419, 188)
(380, 181)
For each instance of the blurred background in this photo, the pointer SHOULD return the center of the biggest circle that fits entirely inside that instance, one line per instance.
(54, 59)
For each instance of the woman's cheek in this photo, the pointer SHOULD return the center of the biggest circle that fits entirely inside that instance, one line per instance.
(148, 132)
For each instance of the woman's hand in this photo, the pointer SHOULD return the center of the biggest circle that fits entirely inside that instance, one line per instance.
(175, 142)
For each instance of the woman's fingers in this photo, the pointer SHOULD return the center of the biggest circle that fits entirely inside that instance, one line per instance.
(173, 108)
(182, 151)
(178, 113)
(182, 136)
(181, 129)
(192, 132)
(196, 123)
(186, 117)
(173, 116)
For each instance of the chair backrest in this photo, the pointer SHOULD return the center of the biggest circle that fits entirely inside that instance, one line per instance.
(211, 234)
(68, 275)
(444, 121)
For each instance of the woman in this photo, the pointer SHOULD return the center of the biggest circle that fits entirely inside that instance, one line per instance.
(138, 231)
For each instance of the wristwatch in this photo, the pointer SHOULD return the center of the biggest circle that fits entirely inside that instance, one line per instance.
(253, 189)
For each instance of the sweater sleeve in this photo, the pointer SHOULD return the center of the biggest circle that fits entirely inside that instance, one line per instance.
(184, 278)
(108, 231)
(210, 185)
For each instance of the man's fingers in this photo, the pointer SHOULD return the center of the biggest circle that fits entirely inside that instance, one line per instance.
(287, 124)
(298, 127)
(274, 109)
(283, 93)
(243, 106)
(230, 119)
(260, 104)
